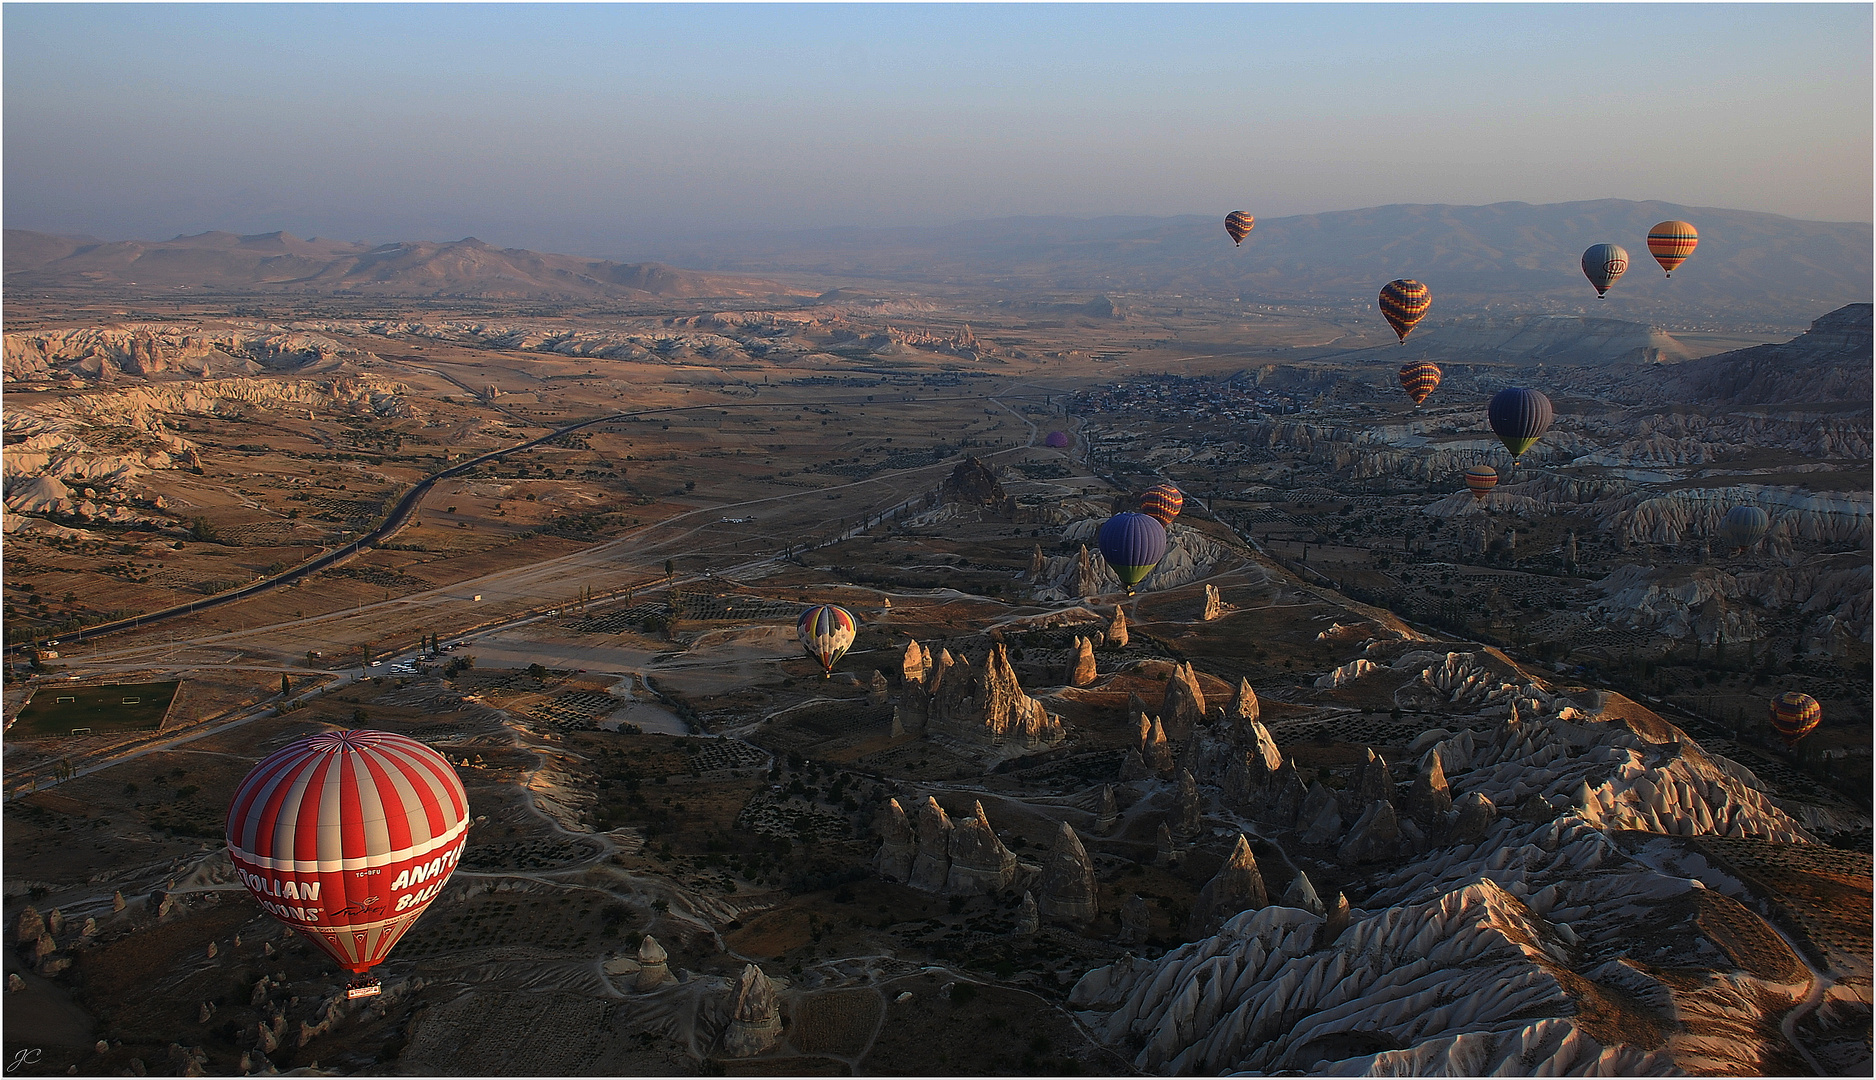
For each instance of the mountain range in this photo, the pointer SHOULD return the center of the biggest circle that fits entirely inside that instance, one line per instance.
(284, 263)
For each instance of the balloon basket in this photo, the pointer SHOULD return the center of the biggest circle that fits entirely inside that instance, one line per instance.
(363, 988)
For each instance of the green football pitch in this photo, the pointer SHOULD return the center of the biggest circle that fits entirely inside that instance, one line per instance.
(63, 710)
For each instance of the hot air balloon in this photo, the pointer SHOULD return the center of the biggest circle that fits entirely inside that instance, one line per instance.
(1671, 242)
(1602, 264)
(1519, 417)
(1056, 439)
(1404, 302)
(826, 632)
(1419, 379)
(1238, 223)
(1794, 716)
(346, 836)
(1162, 503)
(1132, 544)
(1743, 526)
(1480, 480)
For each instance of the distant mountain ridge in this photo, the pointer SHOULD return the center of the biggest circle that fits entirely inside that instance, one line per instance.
(1510, 258)
(281, 262)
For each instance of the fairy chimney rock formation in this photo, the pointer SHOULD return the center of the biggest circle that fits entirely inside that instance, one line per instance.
(1238, 886)
(1244, 708)
(1289, 796)
(1321, 818)
(1214, 604)
(1429, 798)
(1334, 922)
(755, 1016)
(1068, 887)
(1117, 627)
(972, 483)
(1134, 767)
(1302, 894)
(1375, 835)
(1081, 670)
(1035, 565)
(653, 970)
(898, 845)
(979, 861)
(1184, 705)
(1476, 815)
(1163, 847)
(29, 926)
(931, 866)
(1155, 750)
(1110, 811)
(1136, 921)
(1189, 807)
(877, 688)
(1086, 582)
(912, 665)
(1374, 781)
(1028, 919)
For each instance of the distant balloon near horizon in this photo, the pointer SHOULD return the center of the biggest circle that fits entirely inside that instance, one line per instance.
(1743, 526)
(1519, 417)
(1133, 544)
(1404, 303)
(1419, 378)
(1794, 716)
(1603, 264)
(826, 632)
(1480, 480)
(1670, 242)
(1239, 224)
(1056, 439)
(1162, 503)
(347, 836)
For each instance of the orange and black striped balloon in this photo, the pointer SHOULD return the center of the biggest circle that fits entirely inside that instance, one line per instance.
(1162, 502)
(1238, 223)
(1795, 715)
(1671, 242)
(1419, 379)
(1480, 480)
(1404, 302)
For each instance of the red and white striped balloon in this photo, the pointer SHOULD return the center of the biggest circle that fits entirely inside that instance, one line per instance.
(346, 836)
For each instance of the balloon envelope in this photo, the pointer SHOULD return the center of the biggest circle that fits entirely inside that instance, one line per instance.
(1419, 379)
(1671, 242)
(1132, 544)
(1743, 526)
(1056, 439)
(1238, 223)
(1519, 418)
(1162, 503)
(1795, 715)
(1480, 480)
(1404, 302)
(826, 632)
(346, 836)
(1602, 264)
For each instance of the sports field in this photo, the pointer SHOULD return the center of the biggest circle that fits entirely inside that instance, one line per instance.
(107, 709)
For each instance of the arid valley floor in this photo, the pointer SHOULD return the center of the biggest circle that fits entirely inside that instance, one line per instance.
(1371, 777)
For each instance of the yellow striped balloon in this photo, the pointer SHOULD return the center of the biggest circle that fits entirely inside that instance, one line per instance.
(1419, 379)
(1238, 223)
(1794, 716)
(1480, 480)
(1671, 242)
(1404, 302)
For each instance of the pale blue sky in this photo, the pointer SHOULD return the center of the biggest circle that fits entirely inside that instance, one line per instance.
(588, 128)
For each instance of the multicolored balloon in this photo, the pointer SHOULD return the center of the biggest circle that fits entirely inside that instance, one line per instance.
(1794, 716)
(1602, 264)
(1133, 545)
(1419, 379)
(1056, 439)
(1670, 242)
(1743, 526)
(1238, 223)
(1480, 480)
(1519, 417)
(1162, 503)
(1404, 302)
(346, 837)
(826, 632)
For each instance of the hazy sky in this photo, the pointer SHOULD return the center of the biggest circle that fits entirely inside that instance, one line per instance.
(589, 128)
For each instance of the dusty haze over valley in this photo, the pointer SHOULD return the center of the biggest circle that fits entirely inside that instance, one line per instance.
(868, 577)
